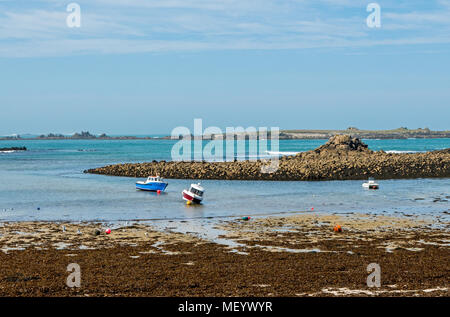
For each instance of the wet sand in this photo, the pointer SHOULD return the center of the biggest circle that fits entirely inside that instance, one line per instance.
(298, 255)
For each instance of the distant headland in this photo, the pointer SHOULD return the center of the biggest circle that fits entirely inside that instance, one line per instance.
(400, 133)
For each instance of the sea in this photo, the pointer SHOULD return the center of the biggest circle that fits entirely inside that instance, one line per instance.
(47, 183)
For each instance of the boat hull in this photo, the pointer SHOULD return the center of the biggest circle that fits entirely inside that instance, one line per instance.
(371, 186)
(189, 197)
(152, 187)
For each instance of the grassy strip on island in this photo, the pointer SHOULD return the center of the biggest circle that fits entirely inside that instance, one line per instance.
(341, 158)
(297, 255)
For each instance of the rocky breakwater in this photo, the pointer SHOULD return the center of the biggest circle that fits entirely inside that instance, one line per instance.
(341, 158)
(13, 149)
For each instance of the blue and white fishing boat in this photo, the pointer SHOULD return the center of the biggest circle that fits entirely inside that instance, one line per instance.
(153, 183)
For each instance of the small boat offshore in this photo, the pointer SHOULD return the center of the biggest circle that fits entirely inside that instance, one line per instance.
(153, 183)
(194, 194)
(371, 184)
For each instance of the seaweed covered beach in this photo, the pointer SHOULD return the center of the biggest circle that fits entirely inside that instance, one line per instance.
(296, 255)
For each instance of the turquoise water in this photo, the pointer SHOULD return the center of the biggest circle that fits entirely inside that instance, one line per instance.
(50, 177)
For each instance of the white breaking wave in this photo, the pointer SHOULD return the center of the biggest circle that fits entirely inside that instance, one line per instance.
(400, 152)
(281, 153)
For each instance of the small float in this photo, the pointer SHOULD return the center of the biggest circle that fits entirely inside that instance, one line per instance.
(194, 194)
(153, 184)
(371, 184)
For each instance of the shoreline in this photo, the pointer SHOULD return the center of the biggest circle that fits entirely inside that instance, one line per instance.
(294, 255)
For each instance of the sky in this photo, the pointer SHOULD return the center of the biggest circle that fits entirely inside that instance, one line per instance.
(148, 66)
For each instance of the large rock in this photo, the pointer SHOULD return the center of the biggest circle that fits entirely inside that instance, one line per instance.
(5, 149)
(343, 143)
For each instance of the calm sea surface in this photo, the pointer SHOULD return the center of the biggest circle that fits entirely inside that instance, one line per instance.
(50, 177)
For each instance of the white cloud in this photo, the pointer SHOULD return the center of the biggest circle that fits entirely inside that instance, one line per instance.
(134, 26)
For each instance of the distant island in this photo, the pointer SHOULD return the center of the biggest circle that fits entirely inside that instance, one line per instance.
(83, 135)
(400, 133)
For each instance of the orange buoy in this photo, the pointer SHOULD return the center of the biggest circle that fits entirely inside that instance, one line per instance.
(337, 228)
(158, 191)
(108, 231)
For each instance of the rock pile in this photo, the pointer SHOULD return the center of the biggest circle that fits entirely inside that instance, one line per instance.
(343, 143)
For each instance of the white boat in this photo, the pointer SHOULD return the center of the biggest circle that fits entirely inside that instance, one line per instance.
(371, 184)
(194, 194)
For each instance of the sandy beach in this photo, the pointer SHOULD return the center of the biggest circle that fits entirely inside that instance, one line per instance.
(292, 255)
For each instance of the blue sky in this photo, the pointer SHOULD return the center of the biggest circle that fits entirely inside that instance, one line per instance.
(141, 67)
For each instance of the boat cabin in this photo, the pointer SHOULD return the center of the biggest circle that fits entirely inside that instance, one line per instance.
(154, 179)
(197, 190)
